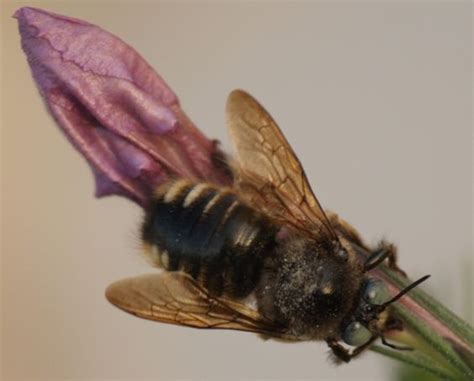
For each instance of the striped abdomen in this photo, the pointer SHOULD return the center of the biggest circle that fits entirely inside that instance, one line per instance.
(209, 233)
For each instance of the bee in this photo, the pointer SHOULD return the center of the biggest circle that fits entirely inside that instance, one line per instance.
(262, 255)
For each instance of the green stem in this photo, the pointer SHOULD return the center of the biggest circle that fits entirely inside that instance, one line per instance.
(420, 362)
(458, 326)
(434, 341)
(444, 341)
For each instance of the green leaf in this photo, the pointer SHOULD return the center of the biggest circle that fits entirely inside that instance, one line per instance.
(419, 361)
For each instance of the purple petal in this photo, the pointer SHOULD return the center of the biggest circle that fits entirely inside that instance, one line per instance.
(113, 107)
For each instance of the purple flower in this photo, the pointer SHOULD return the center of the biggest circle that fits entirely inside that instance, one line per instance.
(114, 108)
(128, 124)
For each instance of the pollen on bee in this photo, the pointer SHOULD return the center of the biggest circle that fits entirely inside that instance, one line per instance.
(211, 203)
(155, 254)
(165, 259)
(245, 235)
(327, 289)
(152, 254)
(194, 194)
(229, 211)
(175, 190)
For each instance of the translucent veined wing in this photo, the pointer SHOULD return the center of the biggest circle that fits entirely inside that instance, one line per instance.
(175, 298)
(268, 171)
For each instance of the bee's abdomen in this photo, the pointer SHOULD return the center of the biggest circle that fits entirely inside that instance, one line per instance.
(209, 233)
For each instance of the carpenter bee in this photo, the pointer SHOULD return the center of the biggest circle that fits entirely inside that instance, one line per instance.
(261, 255)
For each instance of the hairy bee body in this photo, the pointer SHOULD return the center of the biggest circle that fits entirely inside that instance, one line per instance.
(232, 249)
(307, 288)
(263, 256)
(209, 233)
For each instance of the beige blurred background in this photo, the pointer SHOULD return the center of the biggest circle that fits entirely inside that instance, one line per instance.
(376, 100)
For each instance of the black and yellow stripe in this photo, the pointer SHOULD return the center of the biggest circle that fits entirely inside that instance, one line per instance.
(209, 233)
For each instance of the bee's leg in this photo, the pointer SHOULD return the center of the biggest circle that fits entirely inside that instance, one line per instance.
(342, 354)
(392, 256)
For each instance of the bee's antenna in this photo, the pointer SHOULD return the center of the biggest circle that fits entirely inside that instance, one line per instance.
(405, 290)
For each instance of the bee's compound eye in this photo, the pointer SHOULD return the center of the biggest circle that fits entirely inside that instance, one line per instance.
(376, 292)
(356, 334)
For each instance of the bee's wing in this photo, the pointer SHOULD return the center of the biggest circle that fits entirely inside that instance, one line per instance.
(268, 171)
(175, 298)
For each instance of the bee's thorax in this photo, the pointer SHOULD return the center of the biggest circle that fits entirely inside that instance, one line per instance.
(311, 291)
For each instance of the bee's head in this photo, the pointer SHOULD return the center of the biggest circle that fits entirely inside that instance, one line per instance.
(370, 314)
(371, 318)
